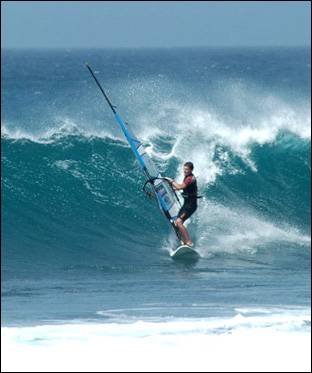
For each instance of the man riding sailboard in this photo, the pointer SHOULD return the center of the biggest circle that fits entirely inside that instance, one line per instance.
(163, 189)
(189, 187)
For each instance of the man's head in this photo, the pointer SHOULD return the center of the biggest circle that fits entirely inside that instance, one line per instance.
(188, 168)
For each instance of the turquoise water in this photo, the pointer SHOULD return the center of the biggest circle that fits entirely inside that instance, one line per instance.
(81, 243)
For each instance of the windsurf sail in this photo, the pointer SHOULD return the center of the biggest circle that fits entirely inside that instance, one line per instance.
(168, 200)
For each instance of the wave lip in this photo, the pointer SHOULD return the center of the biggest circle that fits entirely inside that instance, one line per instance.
(65, 128)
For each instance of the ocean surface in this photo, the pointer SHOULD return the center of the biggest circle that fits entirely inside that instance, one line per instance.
(87, 281)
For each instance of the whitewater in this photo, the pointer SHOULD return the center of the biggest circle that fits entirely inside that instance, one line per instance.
(87, 281)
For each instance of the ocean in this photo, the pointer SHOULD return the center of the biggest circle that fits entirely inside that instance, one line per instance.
(87, 281)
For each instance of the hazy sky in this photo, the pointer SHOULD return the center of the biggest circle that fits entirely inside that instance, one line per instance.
(57, 24)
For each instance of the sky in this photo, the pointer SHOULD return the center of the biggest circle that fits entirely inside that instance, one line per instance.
(140, 24)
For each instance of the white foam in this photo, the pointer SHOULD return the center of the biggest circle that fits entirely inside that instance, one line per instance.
(199, 132)
(223, 229)
(260, 343)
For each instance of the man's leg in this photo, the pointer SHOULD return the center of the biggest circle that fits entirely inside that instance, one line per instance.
(184, 232)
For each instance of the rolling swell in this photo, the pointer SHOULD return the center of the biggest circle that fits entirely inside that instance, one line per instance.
(74, 196)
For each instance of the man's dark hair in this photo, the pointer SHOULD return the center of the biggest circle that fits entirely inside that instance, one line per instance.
(190, 165)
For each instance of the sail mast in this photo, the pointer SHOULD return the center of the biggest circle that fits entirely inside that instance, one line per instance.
(167, 198)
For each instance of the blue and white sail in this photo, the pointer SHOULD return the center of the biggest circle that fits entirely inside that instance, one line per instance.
(168, 201)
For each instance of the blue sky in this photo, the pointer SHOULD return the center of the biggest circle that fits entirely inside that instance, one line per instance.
(102, 24)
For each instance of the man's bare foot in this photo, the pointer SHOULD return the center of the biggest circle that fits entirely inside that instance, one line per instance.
(190, 244)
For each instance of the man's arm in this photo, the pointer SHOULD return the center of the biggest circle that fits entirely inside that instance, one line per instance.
(176, 185)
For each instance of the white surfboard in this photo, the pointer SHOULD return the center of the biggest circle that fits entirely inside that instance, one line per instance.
(184, 251)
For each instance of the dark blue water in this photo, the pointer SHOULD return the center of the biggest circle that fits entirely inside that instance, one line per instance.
(79, 239)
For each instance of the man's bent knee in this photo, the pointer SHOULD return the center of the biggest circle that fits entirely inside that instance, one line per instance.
(179, 222)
